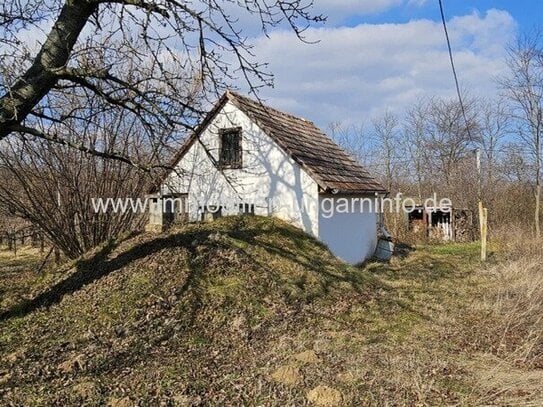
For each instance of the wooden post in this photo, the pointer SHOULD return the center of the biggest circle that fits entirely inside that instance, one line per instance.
(483, 212)
(429, 232)
(483, 217)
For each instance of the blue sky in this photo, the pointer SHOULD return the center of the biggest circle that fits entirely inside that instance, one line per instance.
(374, 56)
(527, 13)
(378, 55)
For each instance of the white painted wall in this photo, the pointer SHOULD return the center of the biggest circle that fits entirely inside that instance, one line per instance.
(351, 236)
(276, 184)
(269, 177)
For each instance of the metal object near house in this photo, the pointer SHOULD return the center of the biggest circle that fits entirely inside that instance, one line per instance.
(384, 249)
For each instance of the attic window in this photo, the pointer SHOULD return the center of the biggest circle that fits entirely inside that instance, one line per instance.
(230, 149)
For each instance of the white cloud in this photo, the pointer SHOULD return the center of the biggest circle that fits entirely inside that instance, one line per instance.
(335, 11)
(357, 73)
(418, 3)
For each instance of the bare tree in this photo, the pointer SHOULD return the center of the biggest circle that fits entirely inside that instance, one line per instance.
(451, 139)
(495, 125)
(386, 145)
(524, 88)
(153, 59)
(353, 139)
(414, 143)
(57, 187)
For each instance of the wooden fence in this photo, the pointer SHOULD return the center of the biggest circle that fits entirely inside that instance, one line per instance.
(26, 236)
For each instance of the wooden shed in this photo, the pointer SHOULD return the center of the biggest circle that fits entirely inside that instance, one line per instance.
(442, 223)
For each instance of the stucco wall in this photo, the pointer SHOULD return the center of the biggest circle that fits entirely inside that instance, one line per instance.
(269, 178)
(352, 236)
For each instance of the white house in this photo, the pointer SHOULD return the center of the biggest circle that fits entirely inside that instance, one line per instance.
(249, 158)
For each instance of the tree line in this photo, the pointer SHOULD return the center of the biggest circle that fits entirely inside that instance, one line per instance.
(479, 148)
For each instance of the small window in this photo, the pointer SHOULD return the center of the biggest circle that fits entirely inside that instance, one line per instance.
(230, 151)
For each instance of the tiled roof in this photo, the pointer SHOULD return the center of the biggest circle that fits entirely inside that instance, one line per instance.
(328, 164)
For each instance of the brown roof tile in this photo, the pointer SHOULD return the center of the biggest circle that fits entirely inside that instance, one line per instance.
(328, 164)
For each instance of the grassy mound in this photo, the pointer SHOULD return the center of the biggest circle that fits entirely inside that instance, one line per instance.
(251, 311)
(203, 315)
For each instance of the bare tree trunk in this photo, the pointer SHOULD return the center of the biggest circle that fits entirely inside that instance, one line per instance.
(41, 76)
(57, 255)
(536, 124)
(537, 185)
(537, 209)
(385, 129)
(524, 87)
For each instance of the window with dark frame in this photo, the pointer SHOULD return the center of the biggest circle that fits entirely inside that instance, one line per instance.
(230, 155)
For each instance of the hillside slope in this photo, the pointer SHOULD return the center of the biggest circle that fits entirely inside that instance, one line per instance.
(201, 314)
(251, 311)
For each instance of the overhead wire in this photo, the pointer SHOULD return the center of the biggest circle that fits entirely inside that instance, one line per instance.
(459, 94)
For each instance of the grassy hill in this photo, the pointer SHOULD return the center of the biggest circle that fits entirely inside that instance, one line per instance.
(243, 311)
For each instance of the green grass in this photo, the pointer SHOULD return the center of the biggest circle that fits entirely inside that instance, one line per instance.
(208, 312)
(18, 275)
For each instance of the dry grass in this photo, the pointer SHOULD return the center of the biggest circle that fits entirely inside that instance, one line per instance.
(511, 360)
(516, 242)
(253, 312)
(18, 275)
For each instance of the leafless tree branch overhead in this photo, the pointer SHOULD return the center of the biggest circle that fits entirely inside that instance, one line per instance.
(158, 60)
